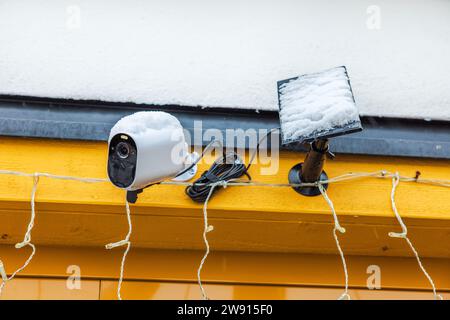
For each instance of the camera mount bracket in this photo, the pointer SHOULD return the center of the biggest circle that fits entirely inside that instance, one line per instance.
(132, 196)
(191, 168)
(311, 170)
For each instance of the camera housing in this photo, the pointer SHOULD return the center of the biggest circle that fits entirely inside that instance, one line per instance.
(146, 148)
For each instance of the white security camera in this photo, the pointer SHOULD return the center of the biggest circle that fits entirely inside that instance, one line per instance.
(146, 148)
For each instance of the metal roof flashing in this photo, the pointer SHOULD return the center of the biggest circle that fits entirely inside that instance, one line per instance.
(92, 120)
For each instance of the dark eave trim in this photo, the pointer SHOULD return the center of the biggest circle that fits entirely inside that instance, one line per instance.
(92, 120)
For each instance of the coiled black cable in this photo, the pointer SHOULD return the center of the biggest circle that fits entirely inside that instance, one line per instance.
(228, 167)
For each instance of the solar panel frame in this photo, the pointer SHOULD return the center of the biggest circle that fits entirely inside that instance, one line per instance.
(351, 127)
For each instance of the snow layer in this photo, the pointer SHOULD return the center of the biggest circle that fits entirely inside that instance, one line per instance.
(316, 104)
(140, 123)
(230, 53)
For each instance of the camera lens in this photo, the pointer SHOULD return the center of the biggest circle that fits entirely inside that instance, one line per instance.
(123, 150)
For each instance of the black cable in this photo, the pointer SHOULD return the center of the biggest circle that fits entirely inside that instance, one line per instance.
(228, 167)
(212, 143)
(258, 144)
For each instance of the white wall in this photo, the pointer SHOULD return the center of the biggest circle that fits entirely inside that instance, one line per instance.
(227, 53)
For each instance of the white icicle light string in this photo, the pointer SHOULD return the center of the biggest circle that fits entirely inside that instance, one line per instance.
(345, 177)
(206, 229)
(404, 235)
(337, 227)
(120, 243)
(26, 240)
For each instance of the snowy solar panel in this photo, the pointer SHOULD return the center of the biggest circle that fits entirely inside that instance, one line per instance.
(317, 106)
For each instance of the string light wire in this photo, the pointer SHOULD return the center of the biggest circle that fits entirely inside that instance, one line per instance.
(404, 235)
(26, 240)
(124, 242)
(382, 174)
(337, 227)
(206, 229)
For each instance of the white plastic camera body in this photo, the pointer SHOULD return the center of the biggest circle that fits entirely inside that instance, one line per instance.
(146, 148)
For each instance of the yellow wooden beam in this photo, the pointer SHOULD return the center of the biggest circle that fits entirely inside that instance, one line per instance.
(56, 289)
(245, 218)
(182, 291)
(244, 268)
(50, 289)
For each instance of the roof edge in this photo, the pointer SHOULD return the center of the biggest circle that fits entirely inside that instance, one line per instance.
(92, 120)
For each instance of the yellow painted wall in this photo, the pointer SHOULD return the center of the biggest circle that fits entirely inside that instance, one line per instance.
(171, 274)
(55, 289)
(268, 228)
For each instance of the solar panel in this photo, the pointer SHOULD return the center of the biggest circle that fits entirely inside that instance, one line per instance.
(317, 106)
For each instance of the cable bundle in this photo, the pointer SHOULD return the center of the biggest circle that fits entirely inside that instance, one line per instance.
(226, 168)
